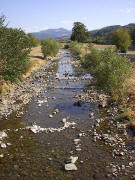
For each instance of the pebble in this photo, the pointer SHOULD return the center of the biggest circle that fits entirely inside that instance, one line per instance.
(73, 159)
(3, 145)
(70, 167)
(1, 155)
(50, 115)
(64, 120)
(78, 149)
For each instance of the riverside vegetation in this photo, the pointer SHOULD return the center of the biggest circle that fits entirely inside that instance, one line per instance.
(15, 48)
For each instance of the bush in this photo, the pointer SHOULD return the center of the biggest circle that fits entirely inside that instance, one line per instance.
(109, 69)
(49, 47)
(66, 46)
(121, 38)
(34, 42)
(90, 60)
(14, 53)
(76, 48)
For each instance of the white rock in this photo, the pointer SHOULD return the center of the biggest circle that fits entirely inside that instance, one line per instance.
(3, 134)
(64, 120)
(76, 141)
(9, 144)
(1, 155)
(78, 149)
(50, 115)
(70, 167)
(3, 145)
(73, 159)
(56, 110)
(80, 134)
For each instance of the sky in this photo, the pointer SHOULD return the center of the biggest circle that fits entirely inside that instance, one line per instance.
(36, 15)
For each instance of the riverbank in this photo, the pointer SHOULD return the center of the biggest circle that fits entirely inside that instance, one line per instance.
(21, 93)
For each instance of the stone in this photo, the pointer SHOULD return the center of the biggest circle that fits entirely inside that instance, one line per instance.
(76, 141)
(70, 167)
(56, 110)
(50, 115)
(3, 134)
(78, 103)
(3, 145)
(78, 149)
(64, 120)
(73, 159)
(1, 155)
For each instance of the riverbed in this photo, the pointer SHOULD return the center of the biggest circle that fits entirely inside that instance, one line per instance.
(43, 134)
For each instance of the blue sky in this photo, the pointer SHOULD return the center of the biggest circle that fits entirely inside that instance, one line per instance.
(35, 15)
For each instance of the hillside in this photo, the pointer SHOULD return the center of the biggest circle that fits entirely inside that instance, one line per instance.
(105, 33)
(59, 33)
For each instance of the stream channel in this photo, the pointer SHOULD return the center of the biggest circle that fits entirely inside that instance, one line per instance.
(39, 156)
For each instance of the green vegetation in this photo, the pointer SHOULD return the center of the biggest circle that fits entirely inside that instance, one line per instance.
(14, 53)
(110, 70)
(121, 38)
(49, 47)
(80, 33)
(133, 35)
(76, 48)
(34, 42)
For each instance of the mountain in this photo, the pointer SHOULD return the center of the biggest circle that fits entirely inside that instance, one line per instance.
(105, 33)
(59, 33)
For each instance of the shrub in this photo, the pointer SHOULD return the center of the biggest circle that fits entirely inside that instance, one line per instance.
(121, 38)
(76, 48)
(109, 69)
(49, 47)
(34, 42)
(14, 53)
(90, 60)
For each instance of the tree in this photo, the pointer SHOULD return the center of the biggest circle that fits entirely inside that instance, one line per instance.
(33, 40)
(14, 53)
(133, 35)
(80, 33)
(121, 38)
(2, 20)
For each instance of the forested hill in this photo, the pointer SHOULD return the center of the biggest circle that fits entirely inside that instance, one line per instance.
(106, 31)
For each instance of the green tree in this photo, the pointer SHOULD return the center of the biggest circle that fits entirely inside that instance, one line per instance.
(80, 33)
(133, 35)
(121, 38)
(2, 20)
(49, 47)
(14, 53)
(33, 40)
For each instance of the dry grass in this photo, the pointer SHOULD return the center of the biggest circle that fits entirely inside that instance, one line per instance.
(36, 61)
(5, 86)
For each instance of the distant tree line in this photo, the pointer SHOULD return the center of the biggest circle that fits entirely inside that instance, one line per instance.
(121, 37)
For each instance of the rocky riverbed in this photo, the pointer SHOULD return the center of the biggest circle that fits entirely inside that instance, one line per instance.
(56, 125)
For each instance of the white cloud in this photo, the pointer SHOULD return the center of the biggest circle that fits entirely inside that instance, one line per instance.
(127, 10)
(34, 29)
(84, 18)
